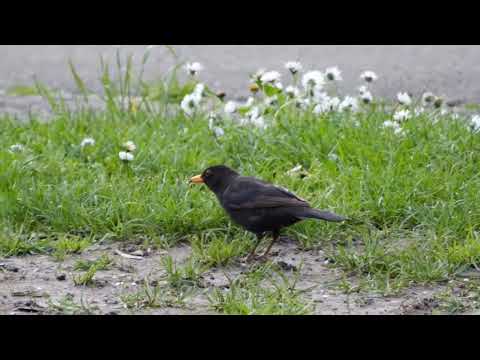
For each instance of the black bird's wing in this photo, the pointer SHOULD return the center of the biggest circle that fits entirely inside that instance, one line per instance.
(251, 193)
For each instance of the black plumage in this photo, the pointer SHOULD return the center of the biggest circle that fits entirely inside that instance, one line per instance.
(258, 206)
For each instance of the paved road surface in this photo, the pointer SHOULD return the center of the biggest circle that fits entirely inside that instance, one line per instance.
(450, 70)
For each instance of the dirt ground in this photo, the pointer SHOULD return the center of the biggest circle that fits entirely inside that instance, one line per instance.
(34, 284)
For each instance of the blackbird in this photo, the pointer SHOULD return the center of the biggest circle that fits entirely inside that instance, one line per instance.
(258, 206)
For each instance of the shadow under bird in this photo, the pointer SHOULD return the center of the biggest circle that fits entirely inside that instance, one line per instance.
(258, 206)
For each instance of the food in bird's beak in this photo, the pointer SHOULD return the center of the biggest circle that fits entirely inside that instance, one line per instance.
(197, 180)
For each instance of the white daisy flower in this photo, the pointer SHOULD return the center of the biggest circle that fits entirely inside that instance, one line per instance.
(230, 107)
(397, 129)
(320, 109)
(313, 79)
(367, 97)
(249, 102)
(443, 112)
(349, 103)
(271, 101)
(333, 103)
(404, 98)
(259, 122)
(16, 148)
(428, 98)
(369, 76)
(475, 123)
(293, 66)
(212, 120)
(320, 96)
(402, 115)
(333, 74)
(390, 123)
(270, 77)
(419, 111)
(87, 142)
(279, 86)
(438, 102)
(329, 104)
(254, 118)
(199, 89)
(218, 131)
(258, 75)
(193, 68)
(126, 156)
(190, 102)
(254, 112)
(302, 103)
(362, 89)
(130, 146)
(243, 121)
(292, 91)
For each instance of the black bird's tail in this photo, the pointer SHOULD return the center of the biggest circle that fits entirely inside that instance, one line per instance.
(310, 213)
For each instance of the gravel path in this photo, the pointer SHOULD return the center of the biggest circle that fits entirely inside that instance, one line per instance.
(451, 70)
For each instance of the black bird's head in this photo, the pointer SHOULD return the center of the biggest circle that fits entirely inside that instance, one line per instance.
(216, 178)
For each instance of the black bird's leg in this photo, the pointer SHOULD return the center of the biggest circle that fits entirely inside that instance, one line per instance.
(252, 253)
(276, 235)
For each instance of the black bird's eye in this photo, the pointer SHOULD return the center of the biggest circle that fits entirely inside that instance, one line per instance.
(208, 173)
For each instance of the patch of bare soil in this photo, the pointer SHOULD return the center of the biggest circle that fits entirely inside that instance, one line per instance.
(41, 285)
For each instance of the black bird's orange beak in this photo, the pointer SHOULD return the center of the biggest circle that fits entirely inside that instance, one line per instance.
(197, 180)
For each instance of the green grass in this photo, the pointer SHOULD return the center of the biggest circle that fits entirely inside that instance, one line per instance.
(154, 296)
(104, 262)
(90, 268)
(87, 278)
(22, 90)
(261, 291)
(412, 198)
(66, 306)
(458, 297)
(219, 251)
(67, 244)
(417, 194)
(180, 277)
